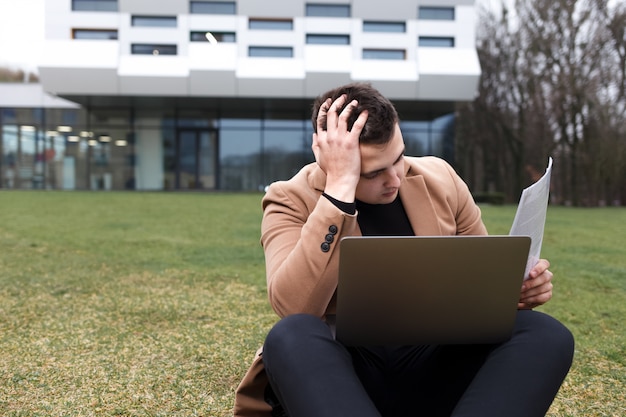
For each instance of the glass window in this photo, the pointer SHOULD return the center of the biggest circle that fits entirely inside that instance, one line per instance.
(70, 116)
(26, 116)
(255, 153)
(213, 37)
(22, 152)
(212, 7)
(111, 158)
(119, 116)
(57, 168)
(288, 124)
(240, 123)
(444, 122)
(270, 24)
(240, 159)
(284, 153)
(154, 21)
(416, 142)
(432, 137)
(94, 34)
(189, 159)
(271, 51)
(94, 5)
(147, 49)
(328, 10)
(420, 125)
(75, 162)
(436, 41)
(435, 13)
(396, 27)
(8, 115)
(321, 39)
(398, 54)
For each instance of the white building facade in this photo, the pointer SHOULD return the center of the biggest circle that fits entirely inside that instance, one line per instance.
(216, 95)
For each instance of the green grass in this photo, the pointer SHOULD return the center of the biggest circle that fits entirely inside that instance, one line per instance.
(152, 304)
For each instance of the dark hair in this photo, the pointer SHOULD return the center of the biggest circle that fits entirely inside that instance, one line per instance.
(382, 116)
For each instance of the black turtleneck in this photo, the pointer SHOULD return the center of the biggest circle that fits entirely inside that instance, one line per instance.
(383, 219)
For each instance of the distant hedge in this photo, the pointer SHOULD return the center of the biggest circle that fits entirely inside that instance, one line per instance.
(497, 199)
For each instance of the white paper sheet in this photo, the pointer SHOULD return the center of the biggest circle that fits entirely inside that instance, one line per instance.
(530, 217)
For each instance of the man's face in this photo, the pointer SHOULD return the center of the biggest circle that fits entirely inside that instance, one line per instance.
(382, 170)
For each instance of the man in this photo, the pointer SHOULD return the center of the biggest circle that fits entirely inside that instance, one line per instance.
(362, 184)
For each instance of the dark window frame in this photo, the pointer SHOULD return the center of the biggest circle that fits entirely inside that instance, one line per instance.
(146, 21)
(436, 41)
(256, 51)
(383, 54)
(328, 10)
(436, 13)
(162, 49)
(213, 7)
(312, 37)
(220, 36)
(79, 31)
(95, 5)
(378, 26)
(270, 24)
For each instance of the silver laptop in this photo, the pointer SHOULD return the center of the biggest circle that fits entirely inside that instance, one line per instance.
(429, 290)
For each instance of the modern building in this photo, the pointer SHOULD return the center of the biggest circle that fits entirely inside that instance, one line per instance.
(216, 95)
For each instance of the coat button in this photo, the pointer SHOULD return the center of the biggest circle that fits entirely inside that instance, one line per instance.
(333, 229)
(329, 238)
(325, 247)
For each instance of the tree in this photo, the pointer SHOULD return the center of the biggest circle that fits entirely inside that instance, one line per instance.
(8, 75)
(552, 84)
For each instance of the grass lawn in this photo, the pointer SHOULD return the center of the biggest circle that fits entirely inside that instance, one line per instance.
(152, 304)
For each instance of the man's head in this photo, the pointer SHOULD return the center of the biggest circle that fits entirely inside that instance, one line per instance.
(381, 145)
(382, 116)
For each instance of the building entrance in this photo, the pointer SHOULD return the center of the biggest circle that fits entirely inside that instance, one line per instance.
(195, 164)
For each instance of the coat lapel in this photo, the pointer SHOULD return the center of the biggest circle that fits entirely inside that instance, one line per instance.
(419, 208)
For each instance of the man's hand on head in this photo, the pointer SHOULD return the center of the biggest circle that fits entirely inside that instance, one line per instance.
(336, 148)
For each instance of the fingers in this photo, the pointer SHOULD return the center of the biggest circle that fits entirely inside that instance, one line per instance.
(328, 113)
(541, 266)
(332, 116)
(359, 123)
(538, 290)
(538, 280)
(535, 301)
(336, 145)
(333, 112)
(538, 295)
(322, 115)
(527, 306)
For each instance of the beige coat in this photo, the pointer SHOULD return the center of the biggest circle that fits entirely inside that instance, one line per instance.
(302, 278)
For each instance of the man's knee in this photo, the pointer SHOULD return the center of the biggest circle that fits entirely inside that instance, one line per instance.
(292, 332)
(551, 337)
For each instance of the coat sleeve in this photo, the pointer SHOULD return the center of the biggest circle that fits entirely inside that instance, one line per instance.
(300, 234)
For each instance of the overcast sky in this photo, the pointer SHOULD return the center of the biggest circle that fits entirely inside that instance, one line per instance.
(21, 33)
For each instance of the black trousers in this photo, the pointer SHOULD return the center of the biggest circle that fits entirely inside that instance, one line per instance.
(311, 374)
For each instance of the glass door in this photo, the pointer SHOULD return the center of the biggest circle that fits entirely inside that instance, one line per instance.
(196, 157)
